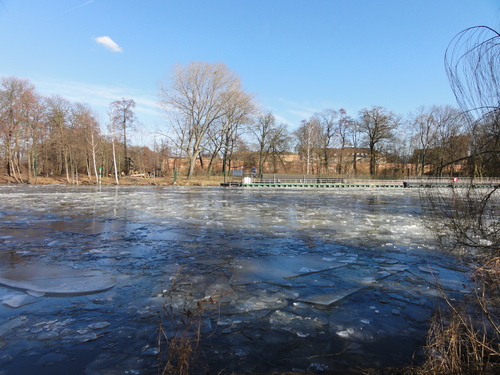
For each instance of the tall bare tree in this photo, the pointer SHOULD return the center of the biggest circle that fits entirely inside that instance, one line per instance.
(272, 140)
(354, 134)
(326, 121)
(86, 126)
(309, 138)
(122, 116)
(468, 218)
(342, 130)
(426, 129)
(442, 141)
(239, 114)
(471, 63)
(195, 99)
(59, 110)
(35, 132)
(377, 124)
(16, 102)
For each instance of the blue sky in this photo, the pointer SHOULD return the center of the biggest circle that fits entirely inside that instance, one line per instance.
(297, 56)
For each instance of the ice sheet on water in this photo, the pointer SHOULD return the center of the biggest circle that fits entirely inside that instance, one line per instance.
(442, 278)
(279, 269)
(12, 324)
(296, 323)
(221, 290)
(264, 301)
(89, 227)
(21, 234)
(17, 300)
(332, 286)
(51, 279)
(328, 299)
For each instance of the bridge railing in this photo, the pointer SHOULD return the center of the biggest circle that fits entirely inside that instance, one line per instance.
(454, 179)
(321, 180)
(308, 179)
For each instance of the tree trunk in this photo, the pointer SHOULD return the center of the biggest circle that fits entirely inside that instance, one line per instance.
(372, 161)
(355, 164)
(114, 162)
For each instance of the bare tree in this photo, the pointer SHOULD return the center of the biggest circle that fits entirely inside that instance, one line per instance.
(468, 220)
(434, 128)
(377, 124)
(272, 140)
(16, 104)
(354, 134)
(452, 144)
(425, 134)
(35, 132)
(196, 99)
(335, 127)
(86, 126)
(308, 137)
(122, 116)
(344, 127)
(279, 144)
(239, 113)
(327, 123)
(469, 216)
(471, 63)
(59, 110)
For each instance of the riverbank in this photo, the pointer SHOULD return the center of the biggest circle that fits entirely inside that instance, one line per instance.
(127, 180)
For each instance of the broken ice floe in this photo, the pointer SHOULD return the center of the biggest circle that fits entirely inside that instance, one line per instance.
(278, 269)
(60, 280)
(221, 290)
(12, 324)
(17, 300)
(329, 298)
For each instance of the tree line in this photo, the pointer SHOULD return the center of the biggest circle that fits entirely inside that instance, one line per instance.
(213, 125)
(52, 136)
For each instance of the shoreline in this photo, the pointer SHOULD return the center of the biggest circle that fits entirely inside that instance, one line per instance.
(110, 181)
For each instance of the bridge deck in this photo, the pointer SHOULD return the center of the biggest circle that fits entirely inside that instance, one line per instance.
(328, 183)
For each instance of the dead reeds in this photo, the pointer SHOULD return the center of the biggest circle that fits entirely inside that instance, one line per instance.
(465, 339)
(180, 329)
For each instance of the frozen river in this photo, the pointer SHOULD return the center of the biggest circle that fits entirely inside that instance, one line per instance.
(300, 279)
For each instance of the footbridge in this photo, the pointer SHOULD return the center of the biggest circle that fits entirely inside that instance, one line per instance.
(312, 181)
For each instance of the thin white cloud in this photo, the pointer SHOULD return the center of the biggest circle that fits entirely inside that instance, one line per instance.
(109, 43)
(84, 4)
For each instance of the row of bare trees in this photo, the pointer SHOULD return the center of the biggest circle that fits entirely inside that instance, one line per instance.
(209, 115)
(431, 139)
(212, 123)
(51, 136)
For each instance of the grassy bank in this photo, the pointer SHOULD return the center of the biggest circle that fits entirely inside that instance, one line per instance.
(126, 180)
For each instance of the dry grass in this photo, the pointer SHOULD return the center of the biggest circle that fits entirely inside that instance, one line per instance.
(180, 330)
(179, 337)
(466, 339)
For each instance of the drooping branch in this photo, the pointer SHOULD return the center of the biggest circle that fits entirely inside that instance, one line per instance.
(471, 63)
